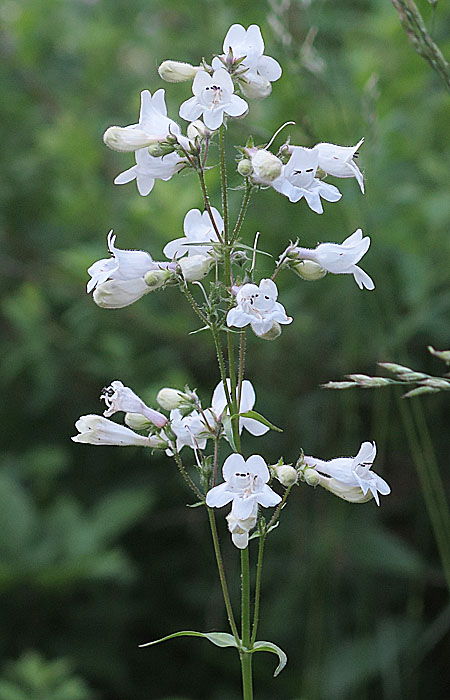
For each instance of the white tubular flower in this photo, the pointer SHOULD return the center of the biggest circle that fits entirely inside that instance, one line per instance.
(197, 228)
(258, 306)
(213, 97)
(341, 259)
(240, 528)
(148, 169)
(195, 267)
(121, 398)
(351, 477)
(245, 485)
(96, 430)
(339, 161)
(177, 71)
(266, 167)
(154, 125)
(248, 398)
(190, 430)
(120, 280)
(298, 180)
(256, 71)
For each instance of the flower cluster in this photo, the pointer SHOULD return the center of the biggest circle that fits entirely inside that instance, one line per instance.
(237, 296)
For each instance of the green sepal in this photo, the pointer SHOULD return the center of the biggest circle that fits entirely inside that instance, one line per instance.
(257, 416)
(252, 250)
(228, 430)
(220, 639)
(269, 646)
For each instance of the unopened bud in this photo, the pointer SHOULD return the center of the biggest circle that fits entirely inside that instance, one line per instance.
(266, 167)
(128, 138)
(197, 130)
(273, 333)
(177, 71)
(171, 398)
(286, 475)
(244, 167)
(195, 267)
(311, 477)
(309, 270)
(136, 421)
(157, 278)
(160, 148)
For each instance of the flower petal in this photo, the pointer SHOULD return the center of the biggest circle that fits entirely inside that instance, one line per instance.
(219, 496)
(234, 463)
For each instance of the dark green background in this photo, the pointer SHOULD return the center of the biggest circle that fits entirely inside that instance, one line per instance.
(97, 550)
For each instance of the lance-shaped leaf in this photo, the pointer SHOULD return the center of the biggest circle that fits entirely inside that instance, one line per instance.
(269, 646)
(220, 639)
(257, 416)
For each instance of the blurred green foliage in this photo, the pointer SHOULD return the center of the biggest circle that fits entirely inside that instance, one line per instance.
(98, 552)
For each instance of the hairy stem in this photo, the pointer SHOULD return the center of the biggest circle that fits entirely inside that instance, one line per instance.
(242, 211)
(246, 658)
(187, 478)
(262, 539)
(222, 577)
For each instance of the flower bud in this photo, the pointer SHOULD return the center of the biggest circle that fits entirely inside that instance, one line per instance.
(177, 71)
(197, 130)
(195, 267)
(136, 421)
(127, 138)
(256, 88)
(160, 148)
(244, 167)
(273, 333)
(266, 167)
(286, 475)
(309, 270)
(157, 278)
(171, 398)
(311, 477)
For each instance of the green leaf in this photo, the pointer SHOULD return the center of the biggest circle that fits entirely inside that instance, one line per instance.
(252, 250)
(220, 639)
(257, 416)
(228, 430)
(269, 646)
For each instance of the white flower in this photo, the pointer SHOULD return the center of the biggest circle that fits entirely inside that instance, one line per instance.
(97, 430)
(266, 167)
(256, 71)
(350, 473)
(148, 169)
(245, 485)
(195, 267)
(248, 398)
(213, 96)
(240, 528)
(258, 306)
(119, 280)
(190, 430)
(177, 71)
(298, 180)
(341, 259)
(197, 228)
(339, 161)
(154, 125)
(121, 398)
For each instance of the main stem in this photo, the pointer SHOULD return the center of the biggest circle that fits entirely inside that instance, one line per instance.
(223, 581)
(246, 658)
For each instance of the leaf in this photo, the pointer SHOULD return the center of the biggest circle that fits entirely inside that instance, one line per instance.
(220, 639)
(252, 250)
(257, 416)
(269, 646)
(228, 430)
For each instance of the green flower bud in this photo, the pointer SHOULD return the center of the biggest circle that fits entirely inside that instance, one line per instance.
(136, 421)
(309, 270)
(157, 278)
(311, 477)
(244, 167)
(171, 398)
(286, 474)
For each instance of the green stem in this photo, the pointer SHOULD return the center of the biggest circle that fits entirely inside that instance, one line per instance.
(193, 303)
(262, 539)
(234, 403)
(223, 581)
(277, 512)
(242, 211)
(223, 176)
(223, 372)
(430, 502)
(246, 658)
(187, 478)
(201, 177)
(242, 345)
